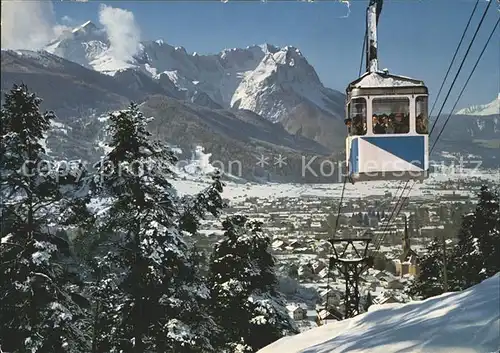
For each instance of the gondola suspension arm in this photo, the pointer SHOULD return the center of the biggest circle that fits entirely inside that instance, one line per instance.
(372, 16)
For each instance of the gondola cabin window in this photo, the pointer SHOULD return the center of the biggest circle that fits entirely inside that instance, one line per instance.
(391, 115)
(357, 116)
(422, 117)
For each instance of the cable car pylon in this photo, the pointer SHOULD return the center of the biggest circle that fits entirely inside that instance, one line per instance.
(351, 263)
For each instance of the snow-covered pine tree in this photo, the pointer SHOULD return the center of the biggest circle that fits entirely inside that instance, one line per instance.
(476, 254)
(430, 280)
(369, 301)
(37, 310)
(366, 220)
(149, 298)
(488, 231)
(245, 300)
(466, 259)
(194, 208)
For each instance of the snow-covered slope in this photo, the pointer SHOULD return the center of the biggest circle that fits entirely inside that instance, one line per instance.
(492, 108)
(467, 321)
(265, 79)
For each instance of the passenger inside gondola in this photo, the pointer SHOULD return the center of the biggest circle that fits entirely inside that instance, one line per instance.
(389, 125)
(393, 115)
(348, 123)
(421, 126)
(356, 122)
(401, 123)
(422, 120)
(358, 125)
(379, 126)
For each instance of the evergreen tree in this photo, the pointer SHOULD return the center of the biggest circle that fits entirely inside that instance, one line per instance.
(465, 258)
(379, 261)
(476, 254)
(293, 271)
(366, 220)
(488, 231)
(443, 217)
(150, 297)
(38, 312)
(369, 301)
(473, 259)
(430, 280)
(245, 300)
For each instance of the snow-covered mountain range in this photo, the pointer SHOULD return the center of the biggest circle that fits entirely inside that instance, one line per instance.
(238, 104)
(235, 137)
(492, 108)
(267, 80)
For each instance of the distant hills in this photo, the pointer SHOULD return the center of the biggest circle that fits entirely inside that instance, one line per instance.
(492, 108)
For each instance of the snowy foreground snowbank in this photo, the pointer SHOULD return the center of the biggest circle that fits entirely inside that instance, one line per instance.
(460, 322)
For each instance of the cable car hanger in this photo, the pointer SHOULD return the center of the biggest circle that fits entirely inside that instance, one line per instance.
(386, 119)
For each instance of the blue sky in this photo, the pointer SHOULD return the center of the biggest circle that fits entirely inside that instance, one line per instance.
(416, 38)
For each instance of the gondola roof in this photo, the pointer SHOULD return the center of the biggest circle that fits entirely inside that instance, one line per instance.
(383, 79)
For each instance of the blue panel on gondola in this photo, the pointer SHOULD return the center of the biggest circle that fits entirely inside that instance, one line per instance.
(353, 157)
(409, 148)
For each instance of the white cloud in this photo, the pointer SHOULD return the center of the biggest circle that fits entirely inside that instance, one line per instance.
(68, 20)
(28, 24)
(122, 30)
(31, 25)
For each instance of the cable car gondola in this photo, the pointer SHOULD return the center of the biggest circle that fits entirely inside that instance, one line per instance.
(387, 120)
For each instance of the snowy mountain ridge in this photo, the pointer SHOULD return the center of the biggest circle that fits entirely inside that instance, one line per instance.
(267, 80)
(492, 108)
(84, 45)
(283, 105)
(460, 322)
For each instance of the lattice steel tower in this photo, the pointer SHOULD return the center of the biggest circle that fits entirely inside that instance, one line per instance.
(351, 263)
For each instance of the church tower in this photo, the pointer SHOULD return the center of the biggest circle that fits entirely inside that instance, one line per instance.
(406, 238)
